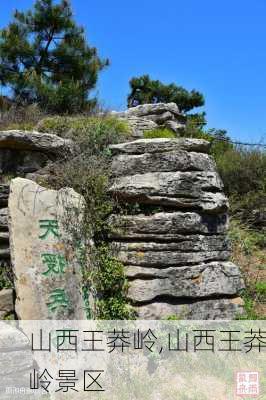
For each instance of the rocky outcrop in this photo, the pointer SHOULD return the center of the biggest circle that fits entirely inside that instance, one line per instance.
(6, 303)
(23, 152)
(151, 116)
(35, 141)
(176, 257)
(6, 295)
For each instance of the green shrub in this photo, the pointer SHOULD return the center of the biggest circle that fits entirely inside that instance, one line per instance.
(159, 133)
(62, 126)
(249, 240)
(108, 279)
(261, 291)
(243, 174)
(242, 170)
(88, 173)
(6, 276)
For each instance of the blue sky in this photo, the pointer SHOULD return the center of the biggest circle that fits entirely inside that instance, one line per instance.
(216, 47)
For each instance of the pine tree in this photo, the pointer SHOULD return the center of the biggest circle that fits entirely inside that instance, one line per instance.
(145, 90)
(45, 59)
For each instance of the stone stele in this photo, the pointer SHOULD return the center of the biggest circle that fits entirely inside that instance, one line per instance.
(45, 251)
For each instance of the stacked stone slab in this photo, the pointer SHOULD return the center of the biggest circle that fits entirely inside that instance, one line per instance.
(6, 295)
(22, 154)
(147, 117)
(175, 250)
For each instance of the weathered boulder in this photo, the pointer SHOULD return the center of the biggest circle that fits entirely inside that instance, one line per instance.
(205, 309)
(6, 302)
(166, 226)
(139, 126)
(145, 110)
(127, 164)
(147, 117)
(160, 145)
(197, 281)
(174, 126)
(46, 265)
(35, 141)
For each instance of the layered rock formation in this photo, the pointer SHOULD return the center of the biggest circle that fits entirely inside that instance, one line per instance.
(174, 249)
(151, 116)
(22, 153)
(173, 244)
(6, 295)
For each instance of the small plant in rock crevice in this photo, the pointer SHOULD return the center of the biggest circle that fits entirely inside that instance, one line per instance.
(88, 173)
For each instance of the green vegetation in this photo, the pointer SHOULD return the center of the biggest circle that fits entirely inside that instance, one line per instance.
(6, 278)
(249, 253)
(88, 173)
(145, 90)
(96, 131)
(45, 59)
(243, 174)
(159, 133)
(20, 117)
(108, 279)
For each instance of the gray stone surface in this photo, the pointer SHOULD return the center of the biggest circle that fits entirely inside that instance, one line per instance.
(182, 243)
(45, 262)
(191, 190)
(174, 247)
(206, 309)
(199, 281)
(13, 362)
(153, 109)
(12, 338)
(152, 116)
(35, 141)
(166, 226)
(16, 362)
(161, 259)
(174, 126)
(172, 161)
(6, 302)
(139, 126)
(160, 145)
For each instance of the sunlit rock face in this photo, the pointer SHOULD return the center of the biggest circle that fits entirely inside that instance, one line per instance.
(172, 236)
(147, 117)
(44, 251)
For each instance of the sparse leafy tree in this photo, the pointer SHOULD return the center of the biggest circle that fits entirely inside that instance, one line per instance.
(45, 58)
